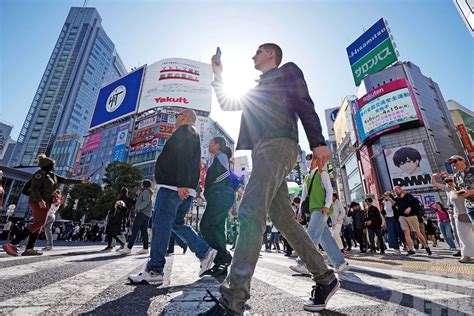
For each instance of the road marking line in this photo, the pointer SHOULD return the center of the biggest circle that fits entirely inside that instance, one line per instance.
(71, 293)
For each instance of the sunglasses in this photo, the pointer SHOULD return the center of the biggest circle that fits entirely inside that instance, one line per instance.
(448, 181)
(454, 161)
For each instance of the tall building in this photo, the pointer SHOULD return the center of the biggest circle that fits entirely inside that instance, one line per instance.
(463, 119)
(83, 59)
(6, 143)
(404, 134)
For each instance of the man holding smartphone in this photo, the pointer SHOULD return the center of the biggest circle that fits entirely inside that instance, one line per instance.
(464, 183)
(269, 128)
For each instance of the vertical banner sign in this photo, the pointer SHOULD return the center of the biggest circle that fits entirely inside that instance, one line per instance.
(371, 52)
(121, 142)
(177, 82)
(466, 140)
(409, 166)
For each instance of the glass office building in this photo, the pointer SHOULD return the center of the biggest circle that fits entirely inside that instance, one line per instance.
(83, 60)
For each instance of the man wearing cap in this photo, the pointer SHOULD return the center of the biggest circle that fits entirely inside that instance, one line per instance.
(43, 184)
(464, 183)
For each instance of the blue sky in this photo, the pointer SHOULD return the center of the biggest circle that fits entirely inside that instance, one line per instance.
(313, 34)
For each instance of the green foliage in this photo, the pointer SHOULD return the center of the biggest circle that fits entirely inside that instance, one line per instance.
(104, 204)
(121, 174)
(86, 196)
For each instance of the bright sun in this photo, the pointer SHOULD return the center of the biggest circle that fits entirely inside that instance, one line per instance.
(238, 79)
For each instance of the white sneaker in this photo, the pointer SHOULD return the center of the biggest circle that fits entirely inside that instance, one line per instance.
(146, 277)
(125, 251)
(301, 269)
(142, 252)
(398, 252)
(343, 267)
(207, 262)
(48, 248)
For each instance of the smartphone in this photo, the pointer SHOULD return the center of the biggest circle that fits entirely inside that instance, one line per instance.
(218, 54)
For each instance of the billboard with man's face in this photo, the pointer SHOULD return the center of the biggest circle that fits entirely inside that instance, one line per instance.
(409, 166)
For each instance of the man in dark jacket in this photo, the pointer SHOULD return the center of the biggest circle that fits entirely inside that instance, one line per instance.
(358, 218)
(177, 172)
(269, 128)
(43, 185)
(374, 226)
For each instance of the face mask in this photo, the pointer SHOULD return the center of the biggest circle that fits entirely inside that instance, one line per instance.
(308, 164)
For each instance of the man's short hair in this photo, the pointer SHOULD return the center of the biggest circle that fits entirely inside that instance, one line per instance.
(369, 200)
(190, 115)
(297, 199)
(276, 49)
(354, 204)
(335, 195)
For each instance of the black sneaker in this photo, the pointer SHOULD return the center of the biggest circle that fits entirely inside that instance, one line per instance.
(428, 250)
(320, 296)
(457, 253)
(411, 252)
(218, 310)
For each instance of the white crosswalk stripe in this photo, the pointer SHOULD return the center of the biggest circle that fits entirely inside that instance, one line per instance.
(67, 295)
(72, 292)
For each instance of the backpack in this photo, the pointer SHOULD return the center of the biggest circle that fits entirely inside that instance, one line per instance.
(27, 188)
(420, 209)
(234, 180)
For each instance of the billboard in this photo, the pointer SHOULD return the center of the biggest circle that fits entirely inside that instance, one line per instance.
(371, 52)
(466, 140)
(384, 109)
(177, 82)
(408, 166)
(120, 152)
(118, 99)
(92, 142)
(331, 115)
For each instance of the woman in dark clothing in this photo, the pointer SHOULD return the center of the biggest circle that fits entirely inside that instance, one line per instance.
(115, 223)
(220, 195)
(43, 184)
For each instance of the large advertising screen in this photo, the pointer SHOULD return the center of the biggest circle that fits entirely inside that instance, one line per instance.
(177, 82)
(408, 166)
(118, 99)
(371, 52)
(120, 151)
(386, 108)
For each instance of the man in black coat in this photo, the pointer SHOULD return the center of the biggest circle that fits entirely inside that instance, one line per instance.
(177, 173)
(374, 226)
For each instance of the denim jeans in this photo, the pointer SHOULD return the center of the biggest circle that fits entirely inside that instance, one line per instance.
(319, 233)
(470, 213)
(275, 238)
(394, 232)
(169, 216)
(267, 194)
(139, 225)
(445, 228)
(347, 232)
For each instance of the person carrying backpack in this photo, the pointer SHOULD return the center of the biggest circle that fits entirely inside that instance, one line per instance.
(220, 195)
(42, 187)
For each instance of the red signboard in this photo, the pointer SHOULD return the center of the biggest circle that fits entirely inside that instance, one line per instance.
(92, 142)
(368, 169)
(466, 141)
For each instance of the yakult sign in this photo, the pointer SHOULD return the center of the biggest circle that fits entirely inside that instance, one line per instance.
(177, 82)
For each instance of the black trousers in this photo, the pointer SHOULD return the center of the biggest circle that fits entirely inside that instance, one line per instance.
(361, 238)
(376, 232)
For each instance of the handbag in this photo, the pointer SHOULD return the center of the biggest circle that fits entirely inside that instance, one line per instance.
(464, 218)
(305, 203)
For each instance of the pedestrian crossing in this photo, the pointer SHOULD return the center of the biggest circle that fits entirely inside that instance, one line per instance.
(102, 287)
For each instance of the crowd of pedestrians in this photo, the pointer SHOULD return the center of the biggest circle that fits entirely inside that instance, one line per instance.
(304, 227)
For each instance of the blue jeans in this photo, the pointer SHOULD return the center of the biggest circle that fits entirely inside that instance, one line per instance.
(470, 213)
(169, 216)
(319, 233)
(445, 228)
(394, 232)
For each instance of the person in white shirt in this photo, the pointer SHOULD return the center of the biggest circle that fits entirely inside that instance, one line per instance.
(55, 205)
(394, 230)
(318, 189)
(337, 219)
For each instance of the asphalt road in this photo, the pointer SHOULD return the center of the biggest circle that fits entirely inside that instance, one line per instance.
(77, 278)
